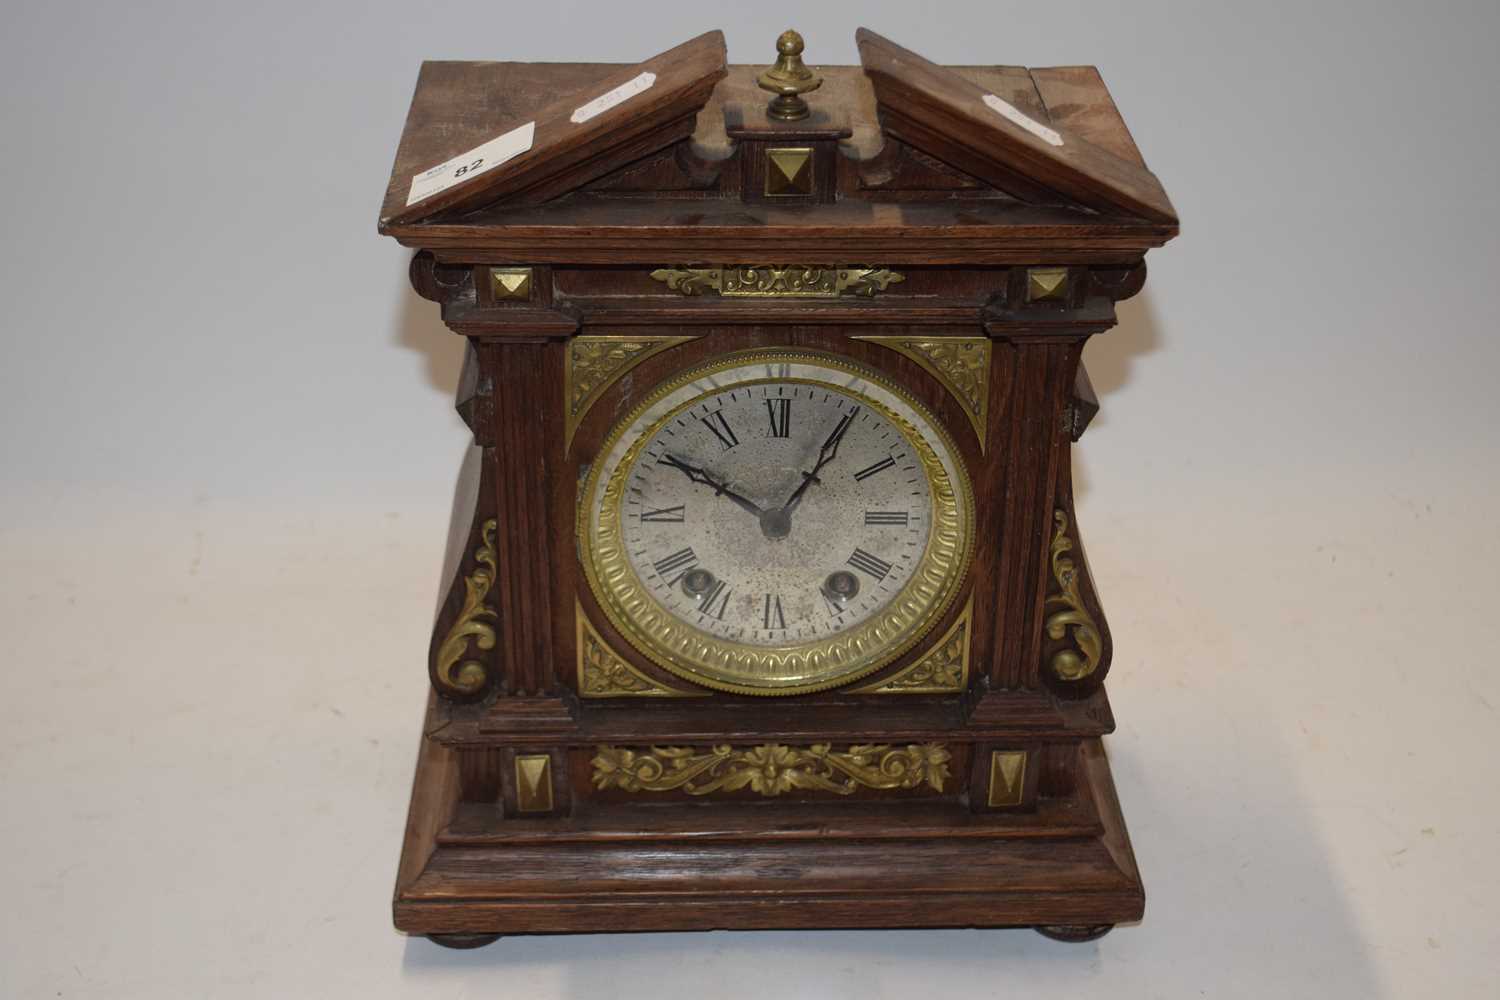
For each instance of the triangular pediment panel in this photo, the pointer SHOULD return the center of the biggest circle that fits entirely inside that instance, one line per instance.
(446, 170)
(999, 130)
(900, 169)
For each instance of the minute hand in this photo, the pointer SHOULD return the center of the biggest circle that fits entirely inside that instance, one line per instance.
(697, 475)
(825, 455)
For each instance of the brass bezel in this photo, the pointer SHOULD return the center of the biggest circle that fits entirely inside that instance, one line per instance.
(935, 583)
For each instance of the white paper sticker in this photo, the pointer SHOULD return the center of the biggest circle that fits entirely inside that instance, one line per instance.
(619, 95)
(484, 157)
(1015, 114)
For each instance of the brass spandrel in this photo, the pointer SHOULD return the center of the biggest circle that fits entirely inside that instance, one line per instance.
(944, 669)
(594, 363)
(602, 673)
(961, 364)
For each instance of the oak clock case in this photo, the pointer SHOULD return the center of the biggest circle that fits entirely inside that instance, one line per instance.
(765, 603)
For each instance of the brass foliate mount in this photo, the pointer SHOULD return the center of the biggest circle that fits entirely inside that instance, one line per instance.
(789, 79)
(772, 768)
(467, 679)
(1079, 661)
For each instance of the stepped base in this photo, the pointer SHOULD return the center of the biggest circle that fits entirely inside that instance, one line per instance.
(467, 871)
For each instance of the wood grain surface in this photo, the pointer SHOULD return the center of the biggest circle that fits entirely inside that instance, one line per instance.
(907, 178)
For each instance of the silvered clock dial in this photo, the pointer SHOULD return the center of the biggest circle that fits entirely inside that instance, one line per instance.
(776, 523)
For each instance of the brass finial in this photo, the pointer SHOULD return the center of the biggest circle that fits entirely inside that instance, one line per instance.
(789, 79)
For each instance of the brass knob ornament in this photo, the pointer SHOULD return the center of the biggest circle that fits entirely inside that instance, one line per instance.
(789, 80)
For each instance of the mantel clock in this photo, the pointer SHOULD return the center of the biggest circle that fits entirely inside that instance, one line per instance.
(765, 603)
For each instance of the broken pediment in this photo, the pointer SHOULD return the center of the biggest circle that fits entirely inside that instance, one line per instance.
(1002, 159)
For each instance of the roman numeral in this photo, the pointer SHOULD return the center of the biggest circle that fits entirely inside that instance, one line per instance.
(887, 517)
(780, 412)
(880, 466)
(682, 559)
(866, 563)
(674, 514)
(772, 615)
(721, 594)
(716, 423)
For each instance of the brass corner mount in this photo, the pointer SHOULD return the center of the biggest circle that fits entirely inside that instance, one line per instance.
(789, 79)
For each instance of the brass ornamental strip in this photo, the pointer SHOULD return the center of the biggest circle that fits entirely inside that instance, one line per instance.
(795, 281)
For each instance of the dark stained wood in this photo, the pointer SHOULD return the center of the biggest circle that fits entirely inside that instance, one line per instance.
(754, 133)
(434, 792)
(963, 209)
(528, 411)
(584, 229)
(853, 875)
(458, 105)
(1031, 421)
(1068, 815)
(1076, 99)
(935, 104)
(1085, 404)
(685, 76)
(1023, 715)
(1064, 502)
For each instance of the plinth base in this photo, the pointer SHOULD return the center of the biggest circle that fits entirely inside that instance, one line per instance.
(466, 870)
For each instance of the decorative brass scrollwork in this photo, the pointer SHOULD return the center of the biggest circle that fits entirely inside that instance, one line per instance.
(779, 282)
(1070, 664)
(472, 623)
(772, 768)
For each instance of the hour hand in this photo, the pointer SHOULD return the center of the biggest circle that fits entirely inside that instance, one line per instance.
(697, 475)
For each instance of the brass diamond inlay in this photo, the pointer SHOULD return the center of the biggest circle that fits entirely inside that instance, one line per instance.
(511, 284)
(1007, 777)
(1046, 284)
(534, 783)
(789, 170)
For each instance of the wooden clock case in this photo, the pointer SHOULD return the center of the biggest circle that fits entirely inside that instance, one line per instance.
(910, 229)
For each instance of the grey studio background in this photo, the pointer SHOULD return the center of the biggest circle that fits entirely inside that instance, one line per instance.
(227, 445)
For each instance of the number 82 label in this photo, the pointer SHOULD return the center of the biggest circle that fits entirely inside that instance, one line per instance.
(481, 159)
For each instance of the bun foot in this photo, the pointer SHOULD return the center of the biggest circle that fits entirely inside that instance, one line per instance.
(1074, 933)
(463, 940)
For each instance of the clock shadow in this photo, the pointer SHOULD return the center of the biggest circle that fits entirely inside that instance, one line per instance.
(1110, 359)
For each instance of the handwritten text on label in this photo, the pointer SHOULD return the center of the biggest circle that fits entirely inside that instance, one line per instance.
(619, 95)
